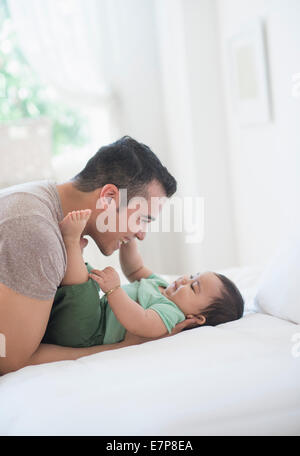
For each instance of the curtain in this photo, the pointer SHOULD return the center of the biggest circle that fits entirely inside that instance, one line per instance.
(65, 42)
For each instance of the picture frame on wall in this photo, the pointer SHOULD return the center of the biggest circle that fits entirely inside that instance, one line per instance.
(249, 75)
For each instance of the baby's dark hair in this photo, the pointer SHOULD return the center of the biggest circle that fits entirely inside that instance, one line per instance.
(228, 307)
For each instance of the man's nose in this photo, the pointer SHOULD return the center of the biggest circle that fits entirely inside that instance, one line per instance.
(140, 235)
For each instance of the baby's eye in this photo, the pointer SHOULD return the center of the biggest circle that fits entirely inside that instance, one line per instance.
(191, 276)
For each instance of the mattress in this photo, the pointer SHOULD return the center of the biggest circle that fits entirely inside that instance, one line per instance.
(239, 378)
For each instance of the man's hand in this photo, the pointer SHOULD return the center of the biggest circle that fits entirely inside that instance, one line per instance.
(132, 339)
(108, 278)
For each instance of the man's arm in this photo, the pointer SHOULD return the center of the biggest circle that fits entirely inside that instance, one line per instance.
(132, 263)
(23, 322)
(48, 353)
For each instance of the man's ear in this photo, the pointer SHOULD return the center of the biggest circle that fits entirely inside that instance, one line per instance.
(200, 319)
(108, 193)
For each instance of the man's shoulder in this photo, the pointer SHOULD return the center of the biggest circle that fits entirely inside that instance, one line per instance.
(38, 198)
(32, 251)
(29, 216)
(33, 187)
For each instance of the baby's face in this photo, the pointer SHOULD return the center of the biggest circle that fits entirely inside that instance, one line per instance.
(193, 294)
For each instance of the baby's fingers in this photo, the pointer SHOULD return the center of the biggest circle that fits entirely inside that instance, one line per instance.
(97, 272)
(96, 277)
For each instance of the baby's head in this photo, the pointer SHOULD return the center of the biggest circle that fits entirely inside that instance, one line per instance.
(210, 297)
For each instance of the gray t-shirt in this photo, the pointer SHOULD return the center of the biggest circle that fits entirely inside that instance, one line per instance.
(33, 257)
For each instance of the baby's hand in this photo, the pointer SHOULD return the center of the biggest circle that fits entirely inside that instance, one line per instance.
(108, 278)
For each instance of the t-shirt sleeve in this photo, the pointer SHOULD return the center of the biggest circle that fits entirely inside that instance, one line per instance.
(32, 257)
(159, 280)
(169, 313)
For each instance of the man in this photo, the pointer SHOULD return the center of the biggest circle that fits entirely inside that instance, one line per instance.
(32, 252)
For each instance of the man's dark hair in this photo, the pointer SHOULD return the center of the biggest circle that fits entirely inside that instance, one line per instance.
(128, 164)
(228, 307)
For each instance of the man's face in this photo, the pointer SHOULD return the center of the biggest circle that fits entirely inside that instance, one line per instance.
(109, 228)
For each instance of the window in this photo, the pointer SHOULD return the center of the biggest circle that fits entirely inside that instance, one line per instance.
(22, 95)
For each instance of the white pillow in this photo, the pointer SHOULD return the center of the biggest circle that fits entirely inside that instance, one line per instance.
(279, 290)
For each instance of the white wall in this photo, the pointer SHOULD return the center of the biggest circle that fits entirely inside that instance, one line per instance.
(209, 132)
(265, 159)
(195, 125)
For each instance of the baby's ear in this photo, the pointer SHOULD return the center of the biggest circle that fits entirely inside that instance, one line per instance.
(200, 319)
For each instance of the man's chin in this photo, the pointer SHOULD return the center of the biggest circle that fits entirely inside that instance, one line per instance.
(83, 242)
(106, 251)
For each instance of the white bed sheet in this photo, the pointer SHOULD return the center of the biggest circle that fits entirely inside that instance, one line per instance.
(240, 378)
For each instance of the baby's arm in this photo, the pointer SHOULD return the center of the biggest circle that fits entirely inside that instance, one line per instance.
(132, 263)
(71, 227)
(138, 321)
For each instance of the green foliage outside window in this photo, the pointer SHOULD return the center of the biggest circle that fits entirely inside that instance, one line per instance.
(23, 96)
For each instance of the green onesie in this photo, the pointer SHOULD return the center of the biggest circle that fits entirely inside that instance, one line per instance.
(79, 318)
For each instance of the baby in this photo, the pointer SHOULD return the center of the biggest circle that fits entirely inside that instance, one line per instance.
(147, 307)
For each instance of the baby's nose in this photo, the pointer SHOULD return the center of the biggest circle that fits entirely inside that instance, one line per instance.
(183, 280)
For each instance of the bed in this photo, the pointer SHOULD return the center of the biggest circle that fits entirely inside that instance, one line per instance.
(239, 378)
